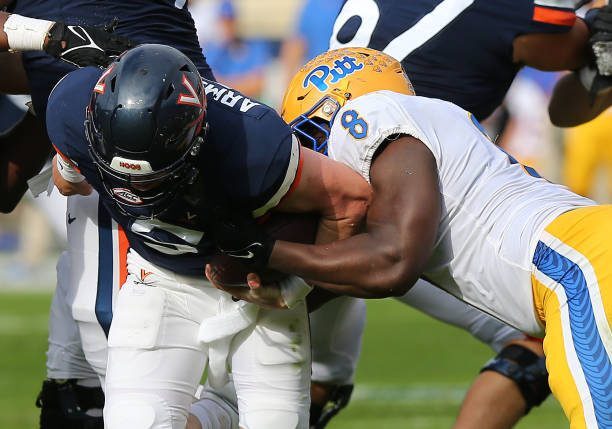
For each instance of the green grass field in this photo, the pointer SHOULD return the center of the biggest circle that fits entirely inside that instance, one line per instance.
(413, 371)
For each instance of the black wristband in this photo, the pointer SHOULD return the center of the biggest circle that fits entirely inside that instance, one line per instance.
(56, 36)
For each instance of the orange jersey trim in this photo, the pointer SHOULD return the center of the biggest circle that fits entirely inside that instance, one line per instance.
(123, 250)
(554, 16)
(67, 159)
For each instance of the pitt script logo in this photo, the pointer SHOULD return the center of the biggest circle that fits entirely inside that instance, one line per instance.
(319, 76)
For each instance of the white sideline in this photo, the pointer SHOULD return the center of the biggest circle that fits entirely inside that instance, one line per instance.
(417, 394)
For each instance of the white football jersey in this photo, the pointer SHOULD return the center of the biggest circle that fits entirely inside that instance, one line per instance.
(493, 210)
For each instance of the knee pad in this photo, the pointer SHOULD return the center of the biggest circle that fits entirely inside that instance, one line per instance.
(526, 369)
(273, 419)
(66, 405)
(214, 411)
(140, 411)
(320, 415)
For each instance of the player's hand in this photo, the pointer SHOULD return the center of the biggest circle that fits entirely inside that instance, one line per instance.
(86, 46)
(268, 296)
(239, 237)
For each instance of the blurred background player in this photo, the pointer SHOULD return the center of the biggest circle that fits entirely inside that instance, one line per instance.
(588, 157)
(238, 62)
(437, 43)
(581, 96)
(311, 34)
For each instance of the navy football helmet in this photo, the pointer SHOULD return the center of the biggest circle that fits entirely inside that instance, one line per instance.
(145, 124)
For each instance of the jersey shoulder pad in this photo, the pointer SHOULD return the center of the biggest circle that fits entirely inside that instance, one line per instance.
(363, 124)
(253, 151)
(66, 111)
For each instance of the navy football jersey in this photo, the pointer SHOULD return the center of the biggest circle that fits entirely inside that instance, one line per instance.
(144, 21)
(249, 157)
(456, 50)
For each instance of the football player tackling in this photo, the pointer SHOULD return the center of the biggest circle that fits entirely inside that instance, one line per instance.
(451, 207)
(165, 150)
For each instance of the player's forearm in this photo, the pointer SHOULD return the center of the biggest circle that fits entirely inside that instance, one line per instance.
(337, 193)
(571, 104)
(551, 52)
(374, 268)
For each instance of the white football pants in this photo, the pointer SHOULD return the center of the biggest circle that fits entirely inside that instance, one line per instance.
(165, 330)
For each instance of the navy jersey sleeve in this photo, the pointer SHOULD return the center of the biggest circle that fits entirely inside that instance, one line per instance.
(144, 21)
(251, 154)
(508, 19)
(552, 16)
(66, 116)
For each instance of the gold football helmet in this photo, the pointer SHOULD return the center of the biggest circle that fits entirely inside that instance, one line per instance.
(328, 81)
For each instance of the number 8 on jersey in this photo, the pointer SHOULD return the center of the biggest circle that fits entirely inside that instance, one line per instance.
(356, 126)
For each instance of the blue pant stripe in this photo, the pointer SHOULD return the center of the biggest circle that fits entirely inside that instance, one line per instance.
(104, 294)
(589, 347)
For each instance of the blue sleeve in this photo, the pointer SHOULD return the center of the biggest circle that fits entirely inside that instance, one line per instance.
(66, 115)
(268, 166)
(250, 156)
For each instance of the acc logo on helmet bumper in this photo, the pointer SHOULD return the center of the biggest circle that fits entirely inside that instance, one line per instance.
(342, 68)
(126, 195)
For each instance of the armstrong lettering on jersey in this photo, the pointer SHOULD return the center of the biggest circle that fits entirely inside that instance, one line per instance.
(229, 97)
(343, 68)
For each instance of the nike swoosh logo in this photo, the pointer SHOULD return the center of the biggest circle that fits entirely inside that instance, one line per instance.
(71, 219)
(247, 255)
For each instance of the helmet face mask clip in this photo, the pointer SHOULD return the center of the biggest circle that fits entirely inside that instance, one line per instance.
(312, 127)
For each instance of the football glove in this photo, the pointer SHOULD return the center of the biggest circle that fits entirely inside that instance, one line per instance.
(241, 238)
(86, 46)
(599, 22)
(593, 81)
